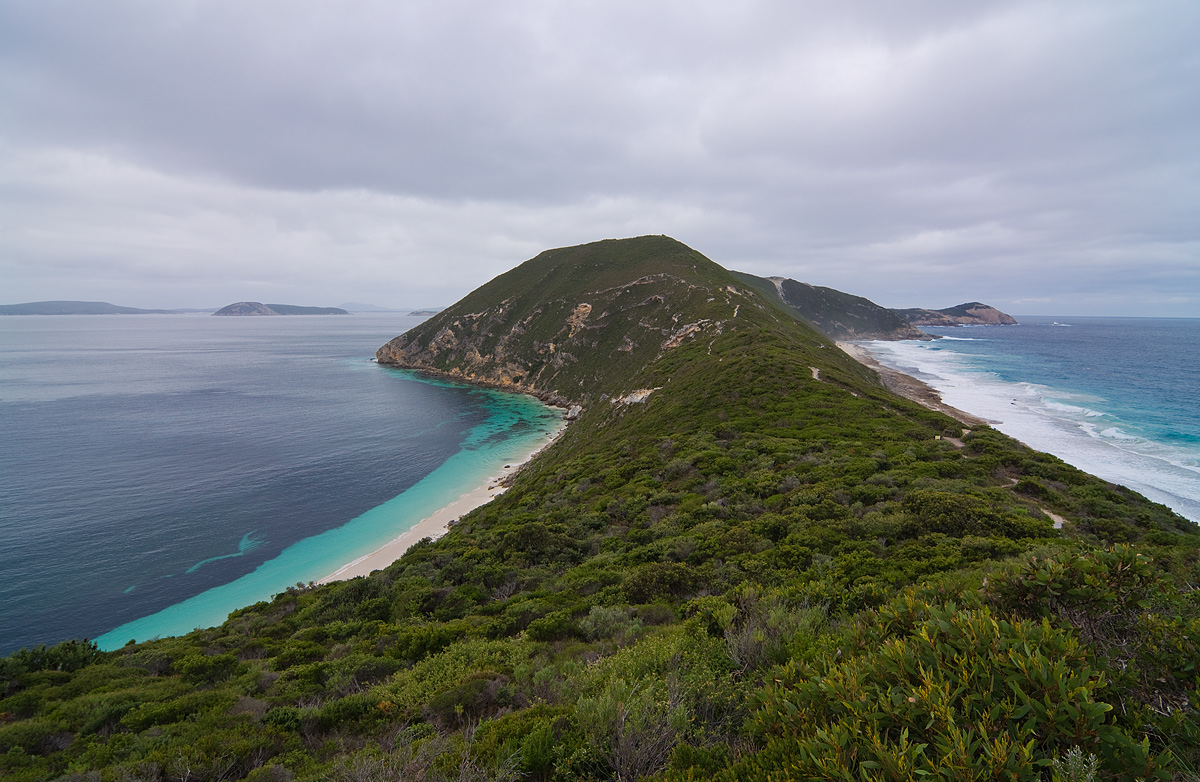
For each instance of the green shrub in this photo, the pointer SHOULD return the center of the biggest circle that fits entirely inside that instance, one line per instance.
(634, 726)
(542, 737)
(554, 626)
(36, 736)
(963, 695)
(658, 580)
(66, 656)
(479, 695)
(177, 709)
(611, 623)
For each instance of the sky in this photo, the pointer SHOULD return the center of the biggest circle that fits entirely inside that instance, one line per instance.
(1042, 157)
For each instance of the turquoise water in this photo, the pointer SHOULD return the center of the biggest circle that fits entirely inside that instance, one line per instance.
(158, 471)
(504, 437)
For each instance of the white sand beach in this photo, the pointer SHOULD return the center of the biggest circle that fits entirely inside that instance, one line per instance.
(439, 522)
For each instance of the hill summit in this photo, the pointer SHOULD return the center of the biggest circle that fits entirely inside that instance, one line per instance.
(578, 323)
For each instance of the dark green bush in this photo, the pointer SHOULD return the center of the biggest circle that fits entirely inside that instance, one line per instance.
(965, 695)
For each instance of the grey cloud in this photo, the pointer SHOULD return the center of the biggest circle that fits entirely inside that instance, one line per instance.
(1004, 146)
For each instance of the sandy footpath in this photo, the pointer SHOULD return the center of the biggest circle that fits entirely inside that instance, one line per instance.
(435, 526)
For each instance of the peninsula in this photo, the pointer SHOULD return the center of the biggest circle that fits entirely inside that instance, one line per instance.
(745, 559)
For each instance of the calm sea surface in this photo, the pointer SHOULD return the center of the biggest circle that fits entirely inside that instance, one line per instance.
(162, 470)
(1117, 397)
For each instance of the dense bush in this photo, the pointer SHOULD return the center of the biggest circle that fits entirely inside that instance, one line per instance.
(962, 694)
(754, 573)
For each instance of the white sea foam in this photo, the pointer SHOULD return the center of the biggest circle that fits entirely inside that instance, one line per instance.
(1054, 421)
(1072, 409)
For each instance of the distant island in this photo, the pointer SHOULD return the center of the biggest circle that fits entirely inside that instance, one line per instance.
(76, 308)
(255, 308)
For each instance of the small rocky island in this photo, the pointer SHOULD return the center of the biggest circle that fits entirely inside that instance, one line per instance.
(255, 308)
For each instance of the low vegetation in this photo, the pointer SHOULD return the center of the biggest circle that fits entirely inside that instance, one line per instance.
(769, 568)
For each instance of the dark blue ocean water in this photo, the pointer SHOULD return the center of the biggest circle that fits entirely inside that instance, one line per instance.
(146, 460)
(1118, 397)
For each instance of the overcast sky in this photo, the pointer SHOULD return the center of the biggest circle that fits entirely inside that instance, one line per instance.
(1043, 157)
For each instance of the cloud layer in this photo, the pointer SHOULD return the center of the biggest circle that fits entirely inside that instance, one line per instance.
(1042, 156)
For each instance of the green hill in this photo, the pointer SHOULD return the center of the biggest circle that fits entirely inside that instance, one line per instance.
(577, 324)
(745, 560)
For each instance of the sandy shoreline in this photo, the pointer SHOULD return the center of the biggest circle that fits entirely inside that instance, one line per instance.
(908, 386)
(436, 525)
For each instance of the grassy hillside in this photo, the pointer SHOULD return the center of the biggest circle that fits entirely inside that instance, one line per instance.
(768, 568)
(580, 324)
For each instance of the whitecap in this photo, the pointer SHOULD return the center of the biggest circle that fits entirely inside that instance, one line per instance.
(1074, 409)
(1045, 418)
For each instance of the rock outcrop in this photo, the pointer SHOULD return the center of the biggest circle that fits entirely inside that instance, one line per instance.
(973, 313)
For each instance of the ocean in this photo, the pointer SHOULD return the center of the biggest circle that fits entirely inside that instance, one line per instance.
(1116, 397)
(160, 471)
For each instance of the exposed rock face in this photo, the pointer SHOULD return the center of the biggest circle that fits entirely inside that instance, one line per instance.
(972, 313)
(254, 308)
(837, 314)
